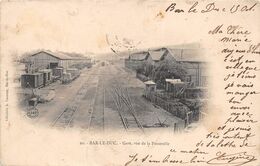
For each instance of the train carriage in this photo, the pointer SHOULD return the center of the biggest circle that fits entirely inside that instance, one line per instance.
(47, 76)
(34, 80)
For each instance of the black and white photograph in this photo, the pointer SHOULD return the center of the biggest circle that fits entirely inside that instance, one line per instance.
(129, 83)
(136, 90)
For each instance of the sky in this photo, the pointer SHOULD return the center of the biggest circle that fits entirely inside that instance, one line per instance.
(94, 26)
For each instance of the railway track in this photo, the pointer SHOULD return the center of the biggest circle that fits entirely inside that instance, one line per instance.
(125, 108)
(97, 118)
(65, 118)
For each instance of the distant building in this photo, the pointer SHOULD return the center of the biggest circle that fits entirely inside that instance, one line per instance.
(159, 55)
(49, 60)
(194, 63)
(191, 60)
(156, 56)
(78, 58)
(136, 61)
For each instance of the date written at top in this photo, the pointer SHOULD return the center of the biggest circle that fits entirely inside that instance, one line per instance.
(211, 7)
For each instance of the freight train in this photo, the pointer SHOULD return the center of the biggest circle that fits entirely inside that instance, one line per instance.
(46, 76)
(34, 80)
(70, 75)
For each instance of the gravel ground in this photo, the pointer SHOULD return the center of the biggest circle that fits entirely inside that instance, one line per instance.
(97, 109)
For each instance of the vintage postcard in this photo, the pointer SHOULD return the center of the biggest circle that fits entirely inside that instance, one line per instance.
(130, 83)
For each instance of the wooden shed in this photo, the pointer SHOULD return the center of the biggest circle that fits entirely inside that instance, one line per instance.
(175, 86)
(47, 60)
(150, 86)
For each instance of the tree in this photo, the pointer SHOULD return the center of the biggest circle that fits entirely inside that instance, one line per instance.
(145, 69)
(148, 69)
(166, 69)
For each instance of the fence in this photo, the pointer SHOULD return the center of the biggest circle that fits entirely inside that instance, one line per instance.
(175, 107)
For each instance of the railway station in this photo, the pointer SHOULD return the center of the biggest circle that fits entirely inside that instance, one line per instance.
(66, 91)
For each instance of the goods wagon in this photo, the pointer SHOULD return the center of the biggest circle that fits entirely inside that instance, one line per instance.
(34, 80)
(66, 78)
(74, 73)
(57, 72)
(47, 76)
(70, 75)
